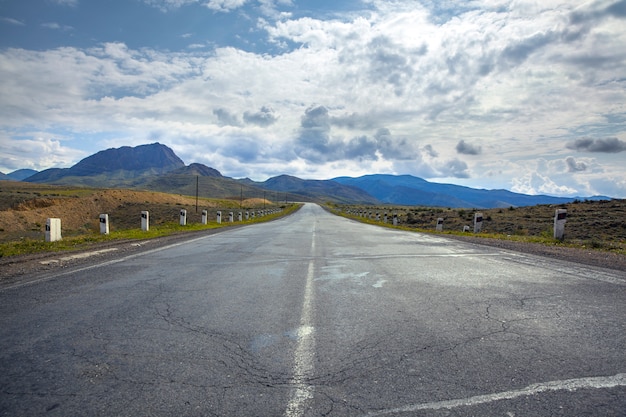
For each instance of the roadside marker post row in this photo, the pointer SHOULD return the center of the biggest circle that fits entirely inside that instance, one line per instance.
(53, 225)
(560, 218)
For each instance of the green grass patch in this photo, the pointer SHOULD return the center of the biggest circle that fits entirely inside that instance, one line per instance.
(85, 240)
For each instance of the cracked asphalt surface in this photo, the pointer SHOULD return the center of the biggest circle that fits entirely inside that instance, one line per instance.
(316, 315)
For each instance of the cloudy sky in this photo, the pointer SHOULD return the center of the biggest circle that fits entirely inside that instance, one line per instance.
(526, 95)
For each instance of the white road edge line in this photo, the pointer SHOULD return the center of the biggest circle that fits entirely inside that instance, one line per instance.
(618, 380)
(305, 350)
(83, 255)
(101, 264)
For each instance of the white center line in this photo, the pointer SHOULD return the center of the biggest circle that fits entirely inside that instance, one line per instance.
(305, 350)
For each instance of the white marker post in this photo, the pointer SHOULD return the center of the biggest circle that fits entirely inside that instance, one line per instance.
(231, 217)
(183, 217)
(219, 217)
(240, 217)
(560, 217)
(395, 219)
(53, 230)
(145, 221)
(205, 216)
(104, 224)
(478, 222)
(439, 224)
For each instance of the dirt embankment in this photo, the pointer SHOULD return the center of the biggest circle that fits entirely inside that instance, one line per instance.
(25, 207)
(77, 211)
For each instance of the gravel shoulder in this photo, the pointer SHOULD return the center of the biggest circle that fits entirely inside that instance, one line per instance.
(17, 270)
(591, 257)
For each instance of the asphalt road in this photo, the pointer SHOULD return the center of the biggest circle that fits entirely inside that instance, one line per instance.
(316, 315)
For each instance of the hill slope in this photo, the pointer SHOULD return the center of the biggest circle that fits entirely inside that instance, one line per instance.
(21, 174)
(318, 190)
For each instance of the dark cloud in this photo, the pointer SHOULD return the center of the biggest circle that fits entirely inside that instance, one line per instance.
(468, 149)
(361, 147)
(607, 145)
(582, 21)
(383, 143)
(454, 168)
(313, 142)
(518, 52)
(316, 144)
(264, 117)
(430, 151)
(226, 118)
(389, 147)
(617, 9)
(354, 121)
(316, 118)
(575, 166)
(391, 62)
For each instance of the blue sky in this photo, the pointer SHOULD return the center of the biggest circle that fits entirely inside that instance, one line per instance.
(523, 95)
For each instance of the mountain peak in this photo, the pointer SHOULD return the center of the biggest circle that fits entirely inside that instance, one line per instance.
(114, 165)
(198, 170)
(21, 174)
(154, 158)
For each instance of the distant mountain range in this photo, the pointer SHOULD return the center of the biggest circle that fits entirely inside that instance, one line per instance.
(319, 189)
(156, 167)
(18, 175)
(413, 191)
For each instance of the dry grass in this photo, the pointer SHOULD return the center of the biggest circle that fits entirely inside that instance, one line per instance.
(24, 208)
(597, 224)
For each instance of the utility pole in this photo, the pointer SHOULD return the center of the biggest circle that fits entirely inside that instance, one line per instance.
(197, 180)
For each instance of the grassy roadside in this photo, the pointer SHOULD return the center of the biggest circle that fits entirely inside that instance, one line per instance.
(612, 244)
(84, 240)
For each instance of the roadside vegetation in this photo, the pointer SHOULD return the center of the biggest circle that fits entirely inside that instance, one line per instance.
(25, 207)
(599, 225)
